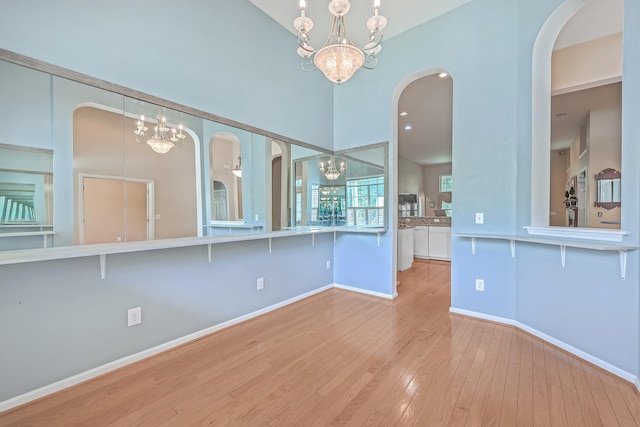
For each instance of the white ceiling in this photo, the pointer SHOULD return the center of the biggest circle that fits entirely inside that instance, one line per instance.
(401, 15)
(428, 101)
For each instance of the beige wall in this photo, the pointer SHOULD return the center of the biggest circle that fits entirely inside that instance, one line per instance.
(410, 177)
(605, 140)
(99, 149)
(582, 65)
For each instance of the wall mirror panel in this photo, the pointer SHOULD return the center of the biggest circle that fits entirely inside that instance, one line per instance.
(130, 167)
(26, 158)
(346, 190)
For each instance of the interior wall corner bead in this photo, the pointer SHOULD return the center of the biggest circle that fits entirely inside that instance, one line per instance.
(209, 252)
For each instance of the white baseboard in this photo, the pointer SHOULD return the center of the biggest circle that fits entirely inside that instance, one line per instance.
(560, 344)
(365, 291)
(116, 364)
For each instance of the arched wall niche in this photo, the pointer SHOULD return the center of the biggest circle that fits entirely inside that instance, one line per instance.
(541, 130)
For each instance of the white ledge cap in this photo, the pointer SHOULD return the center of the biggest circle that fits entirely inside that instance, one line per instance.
(599, 234)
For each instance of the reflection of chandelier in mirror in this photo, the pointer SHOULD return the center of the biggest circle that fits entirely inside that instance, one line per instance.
(330, 171)
(338, 58)
(163, 138)
(237, 171)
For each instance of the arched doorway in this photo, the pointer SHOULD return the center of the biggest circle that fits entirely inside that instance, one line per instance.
(422, 155)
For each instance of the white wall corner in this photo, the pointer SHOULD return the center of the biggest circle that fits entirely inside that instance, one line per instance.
(365, 291)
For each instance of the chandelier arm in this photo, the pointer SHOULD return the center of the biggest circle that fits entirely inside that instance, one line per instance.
(307, 64)
(303, 41)
(370, 62)
(375, 38)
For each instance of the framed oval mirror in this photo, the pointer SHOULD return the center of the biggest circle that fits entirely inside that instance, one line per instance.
(608, 189)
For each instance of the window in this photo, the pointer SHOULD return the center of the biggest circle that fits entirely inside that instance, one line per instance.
(447, 206)
(446, 184)
(365, 201)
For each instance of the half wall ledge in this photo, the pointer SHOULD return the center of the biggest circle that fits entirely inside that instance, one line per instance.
(561, 243)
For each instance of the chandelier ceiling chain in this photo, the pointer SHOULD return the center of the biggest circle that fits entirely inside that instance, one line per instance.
(163, 138)
(339, 58)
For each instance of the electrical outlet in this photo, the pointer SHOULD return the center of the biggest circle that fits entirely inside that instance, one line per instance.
(134, 316)
(479, 218)
(260, 283)
(479, 285)
(328, 265)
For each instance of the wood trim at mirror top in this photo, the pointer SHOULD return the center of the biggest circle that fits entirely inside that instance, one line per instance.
(55, 70)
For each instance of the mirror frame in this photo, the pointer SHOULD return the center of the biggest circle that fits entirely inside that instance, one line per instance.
(608, 173)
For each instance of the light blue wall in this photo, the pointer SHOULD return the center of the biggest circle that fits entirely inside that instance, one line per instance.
(223, 57)
(75, 321)
(214, 55)
(487, 45)
(72, 321)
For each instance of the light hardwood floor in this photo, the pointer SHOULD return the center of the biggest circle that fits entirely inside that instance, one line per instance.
(342, 358)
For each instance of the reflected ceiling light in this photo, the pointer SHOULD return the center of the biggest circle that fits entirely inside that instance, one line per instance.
(442, 75)
(408, 127)
(237, 171)
(163, 138)
(330, 171)
(338, 58)
(404, 113)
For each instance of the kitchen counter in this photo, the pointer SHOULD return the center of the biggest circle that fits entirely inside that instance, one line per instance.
(432, 221)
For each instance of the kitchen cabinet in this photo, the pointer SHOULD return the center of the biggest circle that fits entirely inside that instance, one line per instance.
(405, 248)
(440, 243)
(431, 242)
(421, 242)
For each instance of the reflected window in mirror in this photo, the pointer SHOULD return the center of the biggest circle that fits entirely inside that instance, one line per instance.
(365, 201)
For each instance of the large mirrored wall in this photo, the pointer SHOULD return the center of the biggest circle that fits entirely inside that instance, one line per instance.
(84, 164)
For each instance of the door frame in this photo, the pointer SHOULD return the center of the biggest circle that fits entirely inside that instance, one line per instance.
(150, 202)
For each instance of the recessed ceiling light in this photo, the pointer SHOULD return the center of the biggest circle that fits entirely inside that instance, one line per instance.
(408, 127)
(442, 75)
(404, 113)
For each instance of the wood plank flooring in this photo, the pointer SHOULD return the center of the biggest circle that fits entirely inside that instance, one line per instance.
(342, 358)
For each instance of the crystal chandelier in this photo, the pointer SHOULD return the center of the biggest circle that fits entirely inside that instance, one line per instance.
(163, 138)
(339, 59)
(331, 172)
